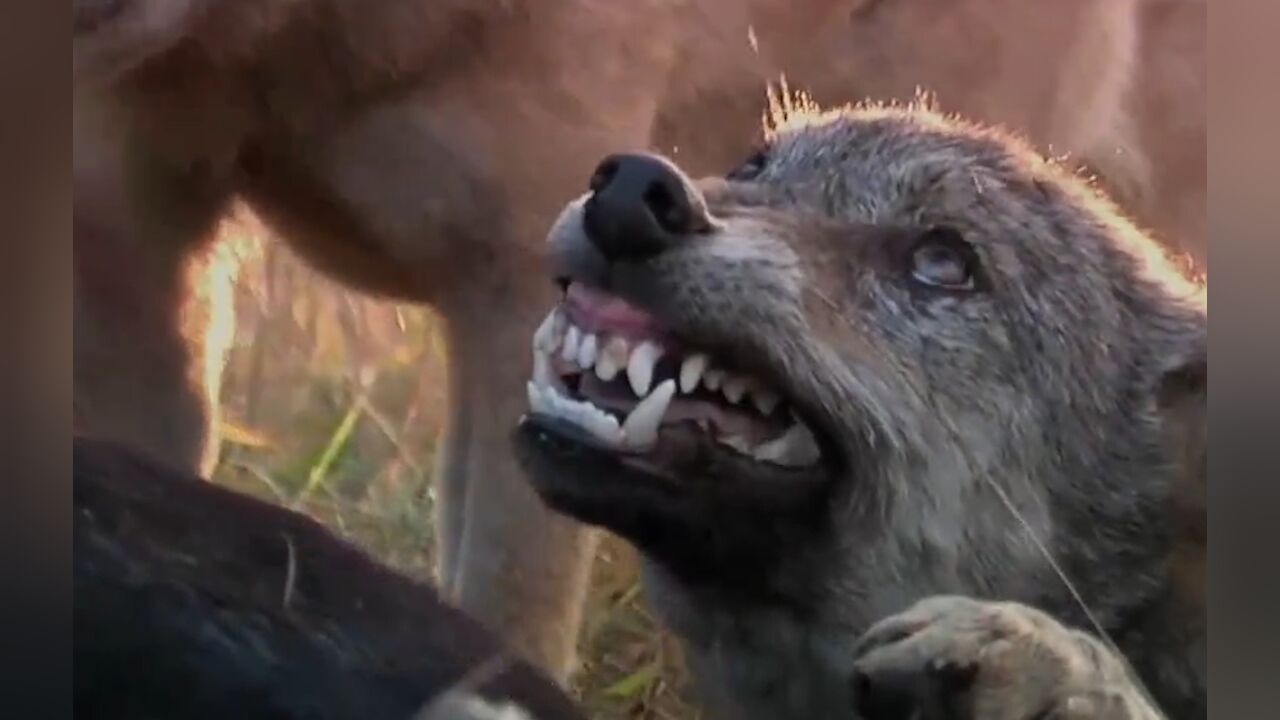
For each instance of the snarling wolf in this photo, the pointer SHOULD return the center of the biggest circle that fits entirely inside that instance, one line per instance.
(419, 150)
(901, 415)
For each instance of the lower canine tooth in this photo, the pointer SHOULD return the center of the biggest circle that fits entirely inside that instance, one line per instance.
(737, 442)
(641, 427)
(796, 447)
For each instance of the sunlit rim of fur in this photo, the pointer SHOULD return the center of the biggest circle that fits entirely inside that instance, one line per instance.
(788, 112)
(791, 110)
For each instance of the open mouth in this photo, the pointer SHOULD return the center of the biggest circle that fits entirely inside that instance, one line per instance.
(623, 381)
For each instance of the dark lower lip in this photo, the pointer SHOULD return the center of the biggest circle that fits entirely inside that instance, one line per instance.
(726, 525)
(563, 432)
(569, 443)
(677, 443)
(682, 450)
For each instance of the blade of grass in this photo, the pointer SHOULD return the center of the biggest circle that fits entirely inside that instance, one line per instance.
(384, 425)
(635, 683)
(320, 470)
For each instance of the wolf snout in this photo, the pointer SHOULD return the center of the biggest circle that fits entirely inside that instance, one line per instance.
(641, 205)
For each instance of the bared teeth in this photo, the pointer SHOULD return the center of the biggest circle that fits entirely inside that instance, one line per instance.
(602, 426)
(640, 367)
(712, 378)
(691, 372)
(735, 388)
(557, 337)
(536, 401)
(572, 336)
(765, 400)
(543, 375)
(605, 427)
(640, 430)
(611, 358)
(587, 352)
(547, 336)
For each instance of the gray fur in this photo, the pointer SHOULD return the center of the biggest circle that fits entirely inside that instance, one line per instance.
(1040, 396)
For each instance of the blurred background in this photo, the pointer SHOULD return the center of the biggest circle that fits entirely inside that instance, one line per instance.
(331, 405)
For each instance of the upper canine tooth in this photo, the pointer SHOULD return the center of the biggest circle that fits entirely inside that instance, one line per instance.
(547, 336)
(640, 367)
(572, 336)
(796, 447)
(640, 430)
(587, 352)
(712, 378)
(611, 358)
(765, 400)
(691, 372)
(735, 387)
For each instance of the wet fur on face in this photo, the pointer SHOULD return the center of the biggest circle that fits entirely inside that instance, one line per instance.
(969, 432)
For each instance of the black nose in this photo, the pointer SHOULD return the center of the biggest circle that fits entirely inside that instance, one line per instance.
(640, 206)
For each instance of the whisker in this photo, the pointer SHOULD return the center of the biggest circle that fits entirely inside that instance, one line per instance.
(1009, 505)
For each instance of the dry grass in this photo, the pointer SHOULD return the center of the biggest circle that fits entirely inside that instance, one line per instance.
(332, 403)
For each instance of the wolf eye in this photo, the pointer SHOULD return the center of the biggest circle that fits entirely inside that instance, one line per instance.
(750, 168)
(941, 258)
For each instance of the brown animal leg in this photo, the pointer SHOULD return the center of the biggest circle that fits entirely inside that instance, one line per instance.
(518, 564)
(445, 198)
(139, 217)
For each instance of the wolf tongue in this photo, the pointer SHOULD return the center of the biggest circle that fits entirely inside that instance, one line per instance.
(640, 430)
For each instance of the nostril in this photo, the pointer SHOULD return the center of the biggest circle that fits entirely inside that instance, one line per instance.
(672, 214)
(603, 174)
(639, 206)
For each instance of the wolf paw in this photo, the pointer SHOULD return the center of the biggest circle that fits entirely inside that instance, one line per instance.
(956, 658)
